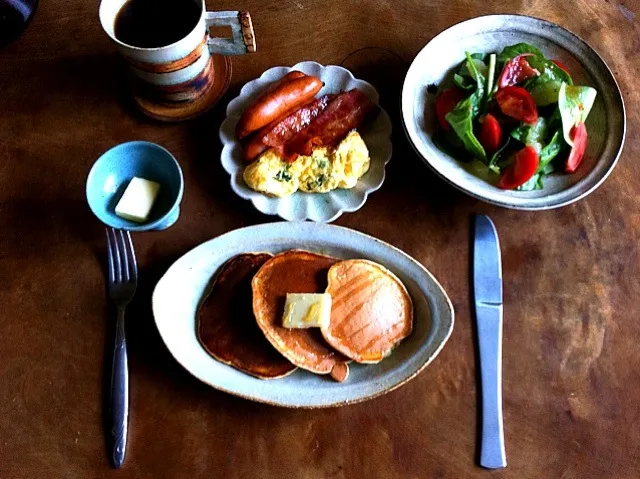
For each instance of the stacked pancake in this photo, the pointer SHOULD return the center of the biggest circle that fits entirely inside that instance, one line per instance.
(241, 321)
(227, 328)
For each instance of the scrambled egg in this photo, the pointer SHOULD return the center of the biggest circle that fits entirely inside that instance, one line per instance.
(324, 170)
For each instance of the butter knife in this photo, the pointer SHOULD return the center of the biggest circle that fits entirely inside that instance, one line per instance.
(487, 291)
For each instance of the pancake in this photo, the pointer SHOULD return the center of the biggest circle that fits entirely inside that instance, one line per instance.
(227, 328)
(295, 272)
(371, 311)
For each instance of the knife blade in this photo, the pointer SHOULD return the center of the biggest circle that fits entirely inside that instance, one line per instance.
(487, 291)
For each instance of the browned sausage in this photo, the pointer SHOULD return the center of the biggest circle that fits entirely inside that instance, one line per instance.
(254, 148)
(278, 132)
(292, 75)
(346, 112)
(273, 105)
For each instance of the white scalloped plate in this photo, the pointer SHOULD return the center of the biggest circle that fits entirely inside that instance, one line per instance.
(325, 207)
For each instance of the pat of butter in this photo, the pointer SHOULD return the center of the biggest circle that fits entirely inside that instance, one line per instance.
(137, 200)
(307, 310)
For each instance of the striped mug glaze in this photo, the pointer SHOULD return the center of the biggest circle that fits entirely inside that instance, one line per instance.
(182, 71)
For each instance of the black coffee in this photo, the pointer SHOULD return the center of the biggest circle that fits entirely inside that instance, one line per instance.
(156, 23)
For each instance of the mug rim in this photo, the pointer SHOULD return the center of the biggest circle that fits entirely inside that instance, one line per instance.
(203, 11)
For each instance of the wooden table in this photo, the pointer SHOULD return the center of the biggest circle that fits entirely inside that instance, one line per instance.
(572, 321)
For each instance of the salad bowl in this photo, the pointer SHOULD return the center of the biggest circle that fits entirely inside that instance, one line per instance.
(433, 68)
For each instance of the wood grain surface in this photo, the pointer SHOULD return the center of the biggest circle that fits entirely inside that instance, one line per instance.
(572, 289)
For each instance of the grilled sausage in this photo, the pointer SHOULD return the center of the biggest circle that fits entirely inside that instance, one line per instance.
(273, 105)
(278, 132)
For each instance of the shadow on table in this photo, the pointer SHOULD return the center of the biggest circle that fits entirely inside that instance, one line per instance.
(406, 173)
(410, 190)
(204, 149)
(75, 89)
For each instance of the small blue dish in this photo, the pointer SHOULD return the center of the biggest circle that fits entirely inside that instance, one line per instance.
(112, 172)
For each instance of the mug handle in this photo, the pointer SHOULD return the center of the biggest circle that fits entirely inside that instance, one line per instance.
(243, 39)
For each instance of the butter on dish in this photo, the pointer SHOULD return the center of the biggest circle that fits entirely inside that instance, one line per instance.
(137, 200)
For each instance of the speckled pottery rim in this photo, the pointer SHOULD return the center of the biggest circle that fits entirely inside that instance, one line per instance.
(300, 206)
(606, 123)
(178, 295)
(179, 81)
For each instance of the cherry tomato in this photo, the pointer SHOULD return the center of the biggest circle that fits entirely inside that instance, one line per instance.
(490, 133)
(447, 101)
(561, 65)
(579, 136)
(516, 102)
(523, 168)
(516, 71)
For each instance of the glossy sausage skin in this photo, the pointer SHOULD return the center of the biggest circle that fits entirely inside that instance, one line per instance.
(273, 105)
(349, 110)
(277, 133)
(292, 75)
(255, 148)
(283, 130)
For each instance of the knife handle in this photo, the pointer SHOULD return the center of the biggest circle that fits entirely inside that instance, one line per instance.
(492, 450)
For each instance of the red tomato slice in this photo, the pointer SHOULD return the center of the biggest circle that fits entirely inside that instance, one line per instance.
(516, 71)
(447, 101)
(523, 168)
(561, 65)
(490, 133)
(516, 102)
(579, 136)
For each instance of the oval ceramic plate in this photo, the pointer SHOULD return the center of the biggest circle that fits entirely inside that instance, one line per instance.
(308, 206)
(178, 296)
(606, 122)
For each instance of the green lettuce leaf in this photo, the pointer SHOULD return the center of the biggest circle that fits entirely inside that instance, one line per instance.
(478, 95)
(513, 51)
(544, 92)
(462, 116)
(549, 152)
(448, 141)
(464, 82)
(545, 88)
(461, 120)
(535, 183)
(495, 158)
(532, 135)
(575, 103)
(555, 120)
(479, 61)
(478, 65)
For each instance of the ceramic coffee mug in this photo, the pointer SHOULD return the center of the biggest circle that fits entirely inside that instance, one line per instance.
(182, 71)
